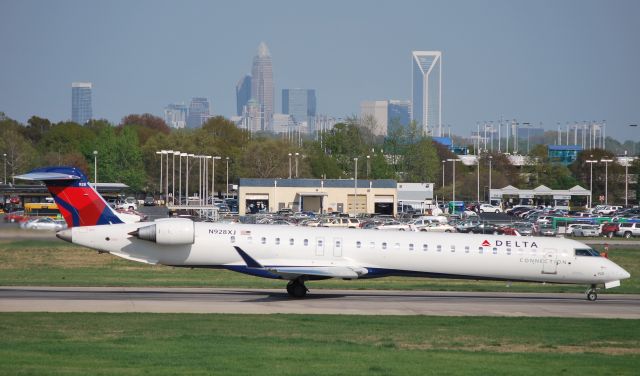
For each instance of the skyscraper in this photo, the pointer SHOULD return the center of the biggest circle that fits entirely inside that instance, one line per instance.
(399, 112)
(301, 105)
(262, 84)
(198, 112)
(426, 96)
(243, 93)
(377, 111)
(175, 115)
(81, 108)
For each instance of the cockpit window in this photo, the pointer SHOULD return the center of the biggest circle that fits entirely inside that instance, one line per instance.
(587, 252)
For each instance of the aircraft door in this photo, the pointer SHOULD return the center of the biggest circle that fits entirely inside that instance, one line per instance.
(319, 246)
(550, 265)
(337, 247)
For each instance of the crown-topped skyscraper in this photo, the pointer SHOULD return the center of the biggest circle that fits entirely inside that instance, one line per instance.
(262, 89)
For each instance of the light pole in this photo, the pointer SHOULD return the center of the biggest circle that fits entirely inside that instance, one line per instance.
(490, 160)
(606, 179)
(591, 162)
(453, 161)
(626, 180)
(213, 173)
(227, 159)
(368, 165)
(478, 182)
(443, 163)
(289, 165)
(355, 186)
(95, 170)
(297, 164)
(187, 172)
(173, 176)
(160, 185)
(5, 167)
(206, 184)
(180, 178)
(166, 176)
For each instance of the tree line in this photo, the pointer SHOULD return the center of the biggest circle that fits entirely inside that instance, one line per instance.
(126, 153)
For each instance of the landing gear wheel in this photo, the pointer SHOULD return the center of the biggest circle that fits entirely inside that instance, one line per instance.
(592, 296)
(296, 289)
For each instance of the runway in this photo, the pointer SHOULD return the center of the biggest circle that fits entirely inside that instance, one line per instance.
(350, 302)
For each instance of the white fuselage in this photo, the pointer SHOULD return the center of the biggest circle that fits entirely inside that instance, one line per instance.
(379, 253)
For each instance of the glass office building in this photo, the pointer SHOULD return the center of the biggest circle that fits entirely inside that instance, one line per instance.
(426, 95)
(262, 84)
(81, 107)
(243, 93)
(198, 112)
(301, 105)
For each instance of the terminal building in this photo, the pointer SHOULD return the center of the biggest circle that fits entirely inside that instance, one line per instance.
(318, 196)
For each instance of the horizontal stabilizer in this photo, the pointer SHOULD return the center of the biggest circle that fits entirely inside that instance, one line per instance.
(47, 176)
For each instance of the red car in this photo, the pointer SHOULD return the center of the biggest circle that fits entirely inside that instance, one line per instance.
(609, 229)
(15, 217)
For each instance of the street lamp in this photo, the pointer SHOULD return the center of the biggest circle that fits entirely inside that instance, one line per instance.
(606, 177)
(297, 164)
(5, 167)
(591, 162)
(213, 173)
(453, 161)
(478, 180)
(626, 180)
(180, 178)
(166, 176)
(490, 160)
(160, 185)
(187, 172)
(355, 185)
(368, 165)
(95, 170)
(173, 176)
(443, 162)
(227, 159)
(205, 182)
(289, 165)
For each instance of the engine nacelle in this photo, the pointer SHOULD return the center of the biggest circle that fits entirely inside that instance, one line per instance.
(175, 231)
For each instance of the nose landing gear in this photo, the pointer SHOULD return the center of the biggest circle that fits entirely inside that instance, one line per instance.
(592, 294)
(296, 288)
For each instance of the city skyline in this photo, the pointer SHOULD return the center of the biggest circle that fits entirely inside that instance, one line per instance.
(498, 63)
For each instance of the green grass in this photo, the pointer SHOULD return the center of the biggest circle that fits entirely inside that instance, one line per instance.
(168, 344)
(56, 263)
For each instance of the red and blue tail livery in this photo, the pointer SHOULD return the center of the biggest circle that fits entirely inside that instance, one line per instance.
(79, 203)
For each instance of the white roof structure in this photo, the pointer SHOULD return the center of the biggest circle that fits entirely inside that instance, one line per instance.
(541, 190)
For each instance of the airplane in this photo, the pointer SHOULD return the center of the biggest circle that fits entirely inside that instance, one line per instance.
(301, 254)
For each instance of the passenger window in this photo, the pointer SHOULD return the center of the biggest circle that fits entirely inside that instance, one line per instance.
(249, 239)
(439, 248)
(480, 250)
(425, 247)
(291, 241)
(277, 241)
(384, 245)
(495, 250)
(306, 242)
(263, 240)
(411, 246)
(319, 243)
(508, 251)
(233, 239)
(453, 248)
(337, 243)
(396, 246)
(466, 249)
(358, 244)
(372, 245)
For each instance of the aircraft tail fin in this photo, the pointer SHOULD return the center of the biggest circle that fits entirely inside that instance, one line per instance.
(79, 203)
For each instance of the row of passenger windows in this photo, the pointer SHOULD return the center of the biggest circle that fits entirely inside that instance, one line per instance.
(384, 245)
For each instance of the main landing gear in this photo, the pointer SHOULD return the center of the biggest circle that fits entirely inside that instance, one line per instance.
(296, 288)
(592, 294)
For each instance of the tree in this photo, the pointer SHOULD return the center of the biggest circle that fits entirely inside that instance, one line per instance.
(145, 125)
(36, 128)
(268, 158)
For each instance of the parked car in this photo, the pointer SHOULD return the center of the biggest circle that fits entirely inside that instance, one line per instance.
(128, 204)
(340, 222)
(547, 230)
(629, 229)
(585, 230)
(438, 227)
(44, 223)
(149, 201)
(609, 229)
(15, 217)
(486, 228)
(607, 210)
(488, 208)
(525, 229)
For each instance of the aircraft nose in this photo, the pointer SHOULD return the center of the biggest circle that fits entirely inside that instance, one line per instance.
(65, 235)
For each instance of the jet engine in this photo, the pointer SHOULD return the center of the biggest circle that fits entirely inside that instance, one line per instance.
(175, 231)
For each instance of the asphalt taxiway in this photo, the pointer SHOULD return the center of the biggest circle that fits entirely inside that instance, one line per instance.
(352, 302)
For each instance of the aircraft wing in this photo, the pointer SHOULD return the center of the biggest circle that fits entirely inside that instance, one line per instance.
(293, 272)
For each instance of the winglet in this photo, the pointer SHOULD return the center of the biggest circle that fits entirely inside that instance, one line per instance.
(251, 263)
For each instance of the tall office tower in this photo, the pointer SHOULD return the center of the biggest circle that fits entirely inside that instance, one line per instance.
(81, 108)
(243, 93)
(301, 105)
(252, 115)
(175, 115)
(198, 112)
(399, 113)
(426, 97)
(378, 111)
(262, 84)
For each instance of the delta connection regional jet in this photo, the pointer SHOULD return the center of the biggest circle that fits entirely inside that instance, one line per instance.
(300, 254)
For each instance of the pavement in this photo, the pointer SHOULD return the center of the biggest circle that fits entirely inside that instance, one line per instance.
(352, 302)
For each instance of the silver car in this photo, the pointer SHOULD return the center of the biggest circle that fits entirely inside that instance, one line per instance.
(585, 230)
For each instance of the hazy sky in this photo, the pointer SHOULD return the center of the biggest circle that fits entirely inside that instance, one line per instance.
(536, 61)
